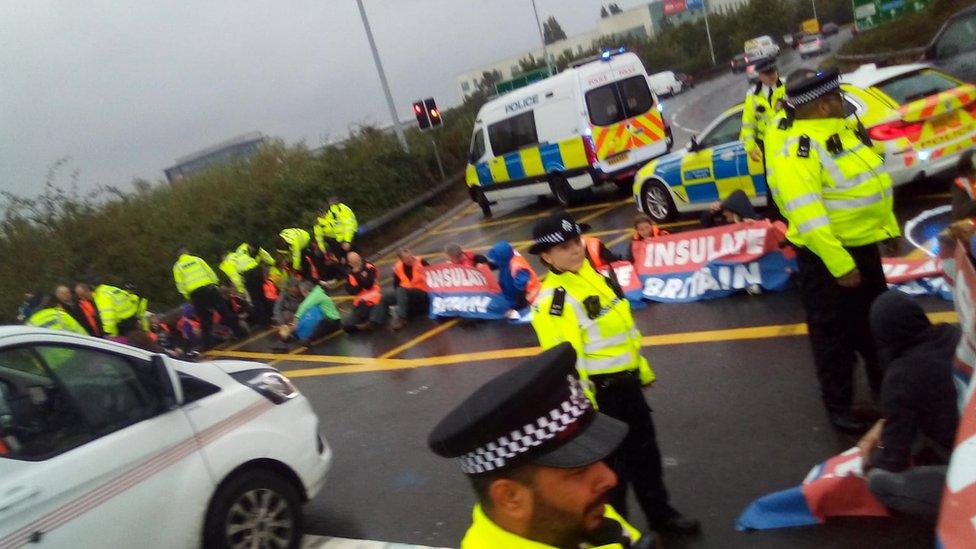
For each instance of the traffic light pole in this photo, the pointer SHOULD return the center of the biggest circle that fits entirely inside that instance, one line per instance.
(437, 157)
(386, 86)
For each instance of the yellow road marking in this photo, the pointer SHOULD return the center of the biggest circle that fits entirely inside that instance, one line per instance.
(369, 364)
(420, 339)
(240, 344)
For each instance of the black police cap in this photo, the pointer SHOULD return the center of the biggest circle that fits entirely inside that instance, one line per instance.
(767, 64)
(810, 89)
(534, 413)
(555, 230)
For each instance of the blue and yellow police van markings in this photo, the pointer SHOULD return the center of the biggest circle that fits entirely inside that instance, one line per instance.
(711, 183)
(530, 162)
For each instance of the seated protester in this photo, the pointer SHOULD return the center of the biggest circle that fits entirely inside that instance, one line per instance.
(596, 251)
(918, 403)
(316, 316)
(364, 285)
(644, 229)
(409, 295)
(48, 312)
(189, 328)
(285, 308)
(167, 337)
(736, 208)
(459, 256)
(518, 281)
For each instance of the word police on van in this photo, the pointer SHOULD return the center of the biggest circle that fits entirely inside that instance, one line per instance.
(595, 122)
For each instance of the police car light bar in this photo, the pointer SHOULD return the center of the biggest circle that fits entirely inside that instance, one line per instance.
(604, 56)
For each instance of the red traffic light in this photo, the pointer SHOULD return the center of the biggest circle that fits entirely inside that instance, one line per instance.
(417, 108)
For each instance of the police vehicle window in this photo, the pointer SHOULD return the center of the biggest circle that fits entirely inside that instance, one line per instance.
(726, 131)
(523, 130)
(477, 145)
(39, 419)
(916, 85)
(636, 95)
(604, 106)
(958, 37)
(512, 134)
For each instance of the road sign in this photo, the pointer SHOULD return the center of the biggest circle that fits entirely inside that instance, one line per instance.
(872, 13)
(522, 80)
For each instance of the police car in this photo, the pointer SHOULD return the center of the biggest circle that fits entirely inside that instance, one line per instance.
(709, 168)
(594, 123)
(105, 445)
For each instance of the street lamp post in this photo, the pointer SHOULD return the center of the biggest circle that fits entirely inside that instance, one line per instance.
(386, 86)
(545, 52)
(708, 32)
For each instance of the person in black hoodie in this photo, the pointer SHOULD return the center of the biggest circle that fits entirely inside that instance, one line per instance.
(918, 405)
(734, 209)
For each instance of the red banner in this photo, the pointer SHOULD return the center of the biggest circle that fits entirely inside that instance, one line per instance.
(898, 270)
(672, 7)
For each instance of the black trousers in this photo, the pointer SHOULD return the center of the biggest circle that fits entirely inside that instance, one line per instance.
(837, 319)
(206, 300)
(637, 461)
(260, 306)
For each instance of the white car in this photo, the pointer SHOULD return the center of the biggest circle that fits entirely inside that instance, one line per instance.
(813, 45)
(104, 445)
(665, 84)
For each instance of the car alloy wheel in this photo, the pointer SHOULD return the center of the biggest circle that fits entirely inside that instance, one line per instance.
(657, 201)
(260, 518)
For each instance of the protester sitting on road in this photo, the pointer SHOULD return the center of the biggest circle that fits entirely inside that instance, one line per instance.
(408, 298)
(197, 283)
(596, 251)
(86, 304)
(49, 312)
(316, 316)
(458, 255)
(549, 486)
(285, 307)
(918, 402)
(736, 208)
(519, 283)
(644, 229)
(364, 286)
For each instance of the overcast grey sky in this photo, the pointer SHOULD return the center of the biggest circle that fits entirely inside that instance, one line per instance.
(125, 88)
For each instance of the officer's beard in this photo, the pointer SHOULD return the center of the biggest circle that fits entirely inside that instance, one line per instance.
(558, 527)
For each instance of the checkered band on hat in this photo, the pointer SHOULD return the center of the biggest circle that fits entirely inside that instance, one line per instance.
(815, 93)
(552, 238)
(496, 454)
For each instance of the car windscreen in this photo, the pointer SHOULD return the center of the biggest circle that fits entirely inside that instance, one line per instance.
(916, 85)
(616, 101)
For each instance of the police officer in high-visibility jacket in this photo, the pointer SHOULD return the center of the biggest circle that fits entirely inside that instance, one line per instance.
(336, 228)
(581, 306)
(833, 190)
(117, 308)
(245, 269)
(295, 244)
(196, 281)
(762, 103)
(533, 447)
(51, 314)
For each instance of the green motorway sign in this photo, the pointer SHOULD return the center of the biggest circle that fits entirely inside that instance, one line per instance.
(871, 13)
(521, 80)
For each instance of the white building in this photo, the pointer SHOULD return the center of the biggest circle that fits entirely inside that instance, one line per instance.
(640, 22)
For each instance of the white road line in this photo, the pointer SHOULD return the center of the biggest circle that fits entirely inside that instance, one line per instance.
(328, 542)
(674, 119)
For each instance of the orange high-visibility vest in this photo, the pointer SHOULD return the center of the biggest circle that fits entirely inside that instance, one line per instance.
(593, 252)
(369, 295)
(417, 279)
(655, 232)
(519, 263)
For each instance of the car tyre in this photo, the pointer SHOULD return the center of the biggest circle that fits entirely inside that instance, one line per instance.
(257, 507)
(656, 201)
(562, 191)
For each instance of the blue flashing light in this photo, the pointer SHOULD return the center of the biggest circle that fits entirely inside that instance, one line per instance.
(621, 49)
(660, 107)
(605, 55)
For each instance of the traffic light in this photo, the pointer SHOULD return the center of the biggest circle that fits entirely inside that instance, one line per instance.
(420, 111)
(433, 113)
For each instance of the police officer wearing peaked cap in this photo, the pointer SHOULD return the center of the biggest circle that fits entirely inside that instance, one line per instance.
(762, 103)
(833, 190)
(531, 444)
(578, 305)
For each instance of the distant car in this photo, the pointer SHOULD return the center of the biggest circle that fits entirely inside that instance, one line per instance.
(687, 81)
(829, 29)
(761, 46)
(751, 73)
(954, 47)
(919, 117)
(739, 63)
(812, 46)
(665, 83)
(106, 445)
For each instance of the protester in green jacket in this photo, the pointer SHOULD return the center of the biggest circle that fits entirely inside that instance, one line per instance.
(317, 314)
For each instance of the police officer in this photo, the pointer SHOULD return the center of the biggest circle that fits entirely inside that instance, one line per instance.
(576, 304)
(118, 309)
(335, 230)
(246, 271)
(196, 281)
(52, 314)
(832, 188)
(762, 103)
(531, 444)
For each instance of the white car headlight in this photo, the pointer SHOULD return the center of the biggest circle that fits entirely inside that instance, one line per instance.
(272, 384)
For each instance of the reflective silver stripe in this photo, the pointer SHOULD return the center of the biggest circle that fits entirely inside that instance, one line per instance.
(801, 201)
(605, 342)
(596, 366)
(828, 162)
(812, 224)
(851, 203)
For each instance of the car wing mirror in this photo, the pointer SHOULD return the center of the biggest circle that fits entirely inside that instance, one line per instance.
(693, 144)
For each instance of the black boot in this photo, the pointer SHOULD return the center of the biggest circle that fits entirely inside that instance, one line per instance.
(845, 422)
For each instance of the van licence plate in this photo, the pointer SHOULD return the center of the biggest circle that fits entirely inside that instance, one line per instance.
(618, 158)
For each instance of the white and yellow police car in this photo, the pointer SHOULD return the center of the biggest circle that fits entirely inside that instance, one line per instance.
(595, 122)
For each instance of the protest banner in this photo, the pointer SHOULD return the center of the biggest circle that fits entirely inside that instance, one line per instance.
(460, 291)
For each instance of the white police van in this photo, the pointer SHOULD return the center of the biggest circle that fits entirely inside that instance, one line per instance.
(595, 122)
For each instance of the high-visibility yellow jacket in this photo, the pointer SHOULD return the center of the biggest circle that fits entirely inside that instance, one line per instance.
(604, 336)
(55, 318)
(485, 534)
(297, 240)
(339, 222)
(228, 266)
(833, 190)
(240, 261)
(773, 141)
(192, 273)
(114, 305)
(758, 111)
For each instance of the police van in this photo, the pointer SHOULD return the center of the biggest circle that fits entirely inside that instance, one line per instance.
(595, 122)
